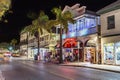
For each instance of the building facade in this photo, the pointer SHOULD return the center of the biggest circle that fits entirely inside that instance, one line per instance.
(23, 43)
(32, 45)
(82, 38)
(29, 44)
(110, 32)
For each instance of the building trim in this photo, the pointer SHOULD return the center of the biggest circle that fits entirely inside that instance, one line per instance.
(111, 35)
(109, 8)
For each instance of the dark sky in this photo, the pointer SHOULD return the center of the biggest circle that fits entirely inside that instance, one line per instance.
(18, 19)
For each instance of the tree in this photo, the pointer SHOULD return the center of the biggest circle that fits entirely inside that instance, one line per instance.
(62, 20)
(13, 42)
(37, 26)
(4, 45)
(4, 6)
(32, 15)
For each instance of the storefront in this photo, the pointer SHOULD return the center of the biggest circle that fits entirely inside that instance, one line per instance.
(89, 54)
(117, 52)
(109, 53)
(110, 49)
(85, 28)
(43, 53)
(30, 54)
(87, 36)
(70, 48)
(112, 53)
(33, 51)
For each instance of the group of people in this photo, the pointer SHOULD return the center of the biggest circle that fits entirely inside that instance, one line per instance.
(69, 57)
(54, 58)
(47, 56)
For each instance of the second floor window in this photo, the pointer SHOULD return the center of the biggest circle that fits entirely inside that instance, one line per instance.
(111, 22)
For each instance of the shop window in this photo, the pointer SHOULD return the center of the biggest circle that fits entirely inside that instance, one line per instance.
(111, 22)
(109, 52)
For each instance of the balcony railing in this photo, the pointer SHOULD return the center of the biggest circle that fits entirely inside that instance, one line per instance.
(32, 40)
(23, 42)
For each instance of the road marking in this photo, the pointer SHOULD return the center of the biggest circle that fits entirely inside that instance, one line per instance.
(68, 78)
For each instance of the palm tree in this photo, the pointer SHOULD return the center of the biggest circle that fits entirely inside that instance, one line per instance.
(32, 15)
(62, 20)
(4, 6)
(13, 42)
(4, 45)
(37, 26)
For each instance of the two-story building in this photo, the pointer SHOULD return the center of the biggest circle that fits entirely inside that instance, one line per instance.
(82, 38)
(23, 43)
(110, 32)
(29, 43)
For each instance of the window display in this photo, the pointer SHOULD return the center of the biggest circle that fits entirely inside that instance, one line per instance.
(117, 52)
(109, 52)
(89, 54)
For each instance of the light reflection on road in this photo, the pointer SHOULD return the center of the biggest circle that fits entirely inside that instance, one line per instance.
(29, 70)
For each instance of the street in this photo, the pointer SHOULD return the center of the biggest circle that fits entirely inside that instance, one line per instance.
(30, 70)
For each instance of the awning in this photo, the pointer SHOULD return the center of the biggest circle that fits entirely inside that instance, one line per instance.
(70, 43)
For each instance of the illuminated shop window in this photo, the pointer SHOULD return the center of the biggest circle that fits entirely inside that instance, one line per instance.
(109, 51)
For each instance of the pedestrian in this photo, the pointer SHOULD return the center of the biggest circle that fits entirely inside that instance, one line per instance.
(35, 57)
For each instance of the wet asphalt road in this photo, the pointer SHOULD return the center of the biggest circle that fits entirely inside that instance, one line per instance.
(29, 70)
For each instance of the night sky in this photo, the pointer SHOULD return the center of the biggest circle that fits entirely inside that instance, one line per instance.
(18, 19)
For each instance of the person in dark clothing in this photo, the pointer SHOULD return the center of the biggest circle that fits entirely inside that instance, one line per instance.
(35, 57)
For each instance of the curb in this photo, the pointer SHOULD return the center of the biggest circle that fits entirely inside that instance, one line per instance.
(92, 68)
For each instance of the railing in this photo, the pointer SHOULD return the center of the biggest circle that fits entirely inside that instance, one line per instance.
(92, 30)
(23, 42)
(32, 40)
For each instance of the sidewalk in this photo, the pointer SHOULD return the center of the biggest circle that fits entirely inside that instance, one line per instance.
(111, 68)
(21, 58)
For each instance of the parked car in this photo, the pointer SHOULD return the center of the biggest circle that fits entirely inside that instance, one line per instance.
(15, 54)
